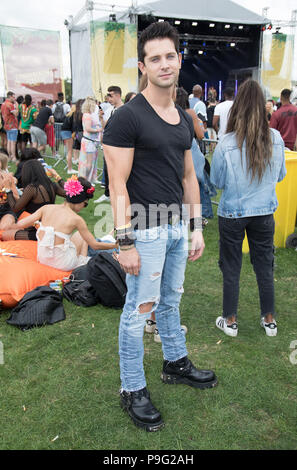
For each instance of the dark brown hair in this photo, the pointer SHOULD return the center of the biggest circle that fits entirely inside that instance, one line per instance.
(115, 89)
(249, 122)
(182, 98)
(77, 115)
(28, 100)
(159, 30)
(129, 96)
(286, 94)
(33, 174)
(142, 83)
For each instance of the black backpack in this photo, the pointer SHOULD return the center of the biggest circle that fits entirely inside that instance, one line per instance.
(41, 306)
(78, 290)
(108, 280)
(59, 115)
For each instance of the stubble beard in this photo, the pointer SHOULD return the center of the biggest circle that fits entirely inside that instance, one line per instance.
(161, 84)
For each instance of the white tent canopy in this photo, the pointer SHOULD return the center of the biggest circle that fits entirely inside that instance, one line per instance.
(203, 10)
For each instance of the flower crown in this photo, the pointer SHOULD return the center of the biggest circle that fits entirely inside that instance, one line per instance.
(73, 187)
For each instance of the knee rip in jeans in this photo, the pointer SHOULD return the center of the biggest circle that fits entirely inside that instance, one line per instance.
(155, 276)
(148, 306)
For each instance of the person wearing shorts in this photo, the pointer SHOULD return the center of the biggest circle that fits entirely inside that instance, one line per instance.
(28, 114)
(38, 134)
(9, 114)
(38, 137)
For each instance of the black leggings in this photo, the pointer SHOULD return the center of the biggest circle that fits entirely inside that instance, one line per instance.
(260, 232)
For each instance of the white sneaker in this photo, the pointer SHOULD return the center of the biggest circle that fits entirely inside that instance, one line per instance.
(270, 328)
(184, 329)
(150, 326)
(102, 198)
(157, 337)
(230, 330)
(71, 172)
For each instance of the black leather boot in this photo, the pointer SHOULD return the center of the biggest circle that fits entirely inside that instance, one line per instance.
(141, 410)
(184, 372)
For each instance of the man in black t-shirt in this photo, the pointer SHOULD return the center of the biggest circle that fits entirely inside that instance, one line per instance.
(147, 146)
(37, 130)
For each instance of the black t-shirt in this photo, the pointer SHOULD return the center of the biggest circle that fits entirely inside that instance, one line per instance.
(42, 118)
(158, 166)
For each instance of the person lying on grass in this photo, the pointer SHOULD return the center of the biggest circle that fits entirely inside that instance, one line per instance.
(57, 245)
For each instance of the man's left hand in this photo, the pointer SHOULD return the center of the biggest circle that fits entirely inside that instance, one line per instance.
(197, 246)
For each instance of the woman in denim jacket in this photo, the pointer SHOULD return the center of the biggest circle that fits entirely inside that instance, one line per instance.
(247, 164)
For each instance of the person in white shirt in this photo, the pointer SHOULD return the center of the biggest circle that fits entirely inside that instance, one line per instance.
(222, 112)
(106, 108)
(198, 105)
(115, 99)
(66, 106)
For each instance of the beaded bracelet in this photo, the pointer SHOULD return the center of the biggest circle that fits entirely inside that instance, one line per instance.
(127, 248)
(125, 241)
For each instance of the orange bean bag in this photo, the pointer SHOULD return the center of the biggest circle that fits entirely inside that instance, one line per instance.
(20, 272)
(24, 215)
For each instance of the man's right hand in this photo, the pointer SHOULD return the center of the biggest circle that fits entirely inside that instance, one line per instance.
(130, 261)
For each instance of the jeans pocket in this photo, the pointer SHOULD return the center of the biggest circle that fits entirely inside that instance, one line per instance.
(269, 221)
(232, 224)
(148, 235)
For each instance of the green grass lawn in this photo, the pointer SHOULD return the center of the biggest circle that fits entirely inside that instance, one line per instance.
(63, 380)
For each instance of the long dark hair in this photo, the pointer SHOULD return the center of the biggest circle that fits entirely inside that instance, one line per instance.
(77, 115)
(28, 100)
(249, 122)
(129, 96)
(30, 154)
(33, 174)
(182, 98)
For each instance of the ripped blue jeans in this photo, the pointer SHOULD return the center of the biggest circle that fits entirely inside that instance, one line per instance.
(163, 253)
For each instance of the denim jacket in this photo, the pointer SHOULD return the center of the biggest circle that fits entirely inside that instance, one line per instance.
(242, 197)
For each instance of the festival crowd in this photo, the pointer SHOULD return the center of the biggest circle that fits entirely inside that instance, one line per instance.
(153, 144)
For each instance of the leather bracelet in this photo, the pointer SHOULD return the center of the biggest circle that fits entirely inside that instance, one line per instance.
(125, 239)
(127, 248)
(196, 224)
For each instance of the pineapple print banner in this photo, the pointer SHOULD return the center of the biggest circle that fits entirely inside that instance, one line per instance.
(32, 62)
(277, 63)
(114, 57)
